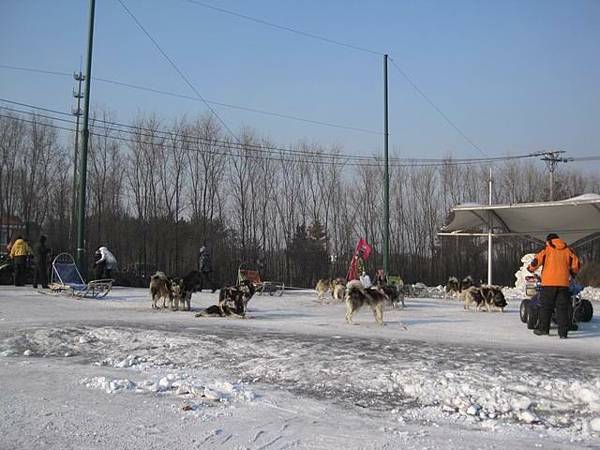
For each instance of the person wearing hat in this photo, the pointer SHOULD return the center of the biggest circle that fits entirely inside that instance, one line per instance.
(105, 263)
(559, 263)
(205, 268)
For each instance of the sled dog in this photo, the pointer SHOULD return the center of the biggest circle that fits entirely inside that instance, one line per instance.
(452, 288)
(466, 283)
(323, 285)
(490, 297)
(338, 289)
(394, 294)
(233, 301)
(236, 297)
(179, 295)
(357, 296)
(160, 287)
(216, 311)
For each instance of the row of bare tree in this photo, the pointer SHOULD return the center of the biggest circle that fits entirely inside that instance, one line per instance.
(157, 192)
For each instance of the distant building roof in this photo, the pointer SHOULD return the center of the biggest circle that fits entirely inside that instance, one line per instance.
(10, 220)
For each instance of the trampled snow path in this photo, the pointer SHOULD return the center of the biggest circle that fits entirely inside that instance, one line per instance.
(371, 373)
(383, 372)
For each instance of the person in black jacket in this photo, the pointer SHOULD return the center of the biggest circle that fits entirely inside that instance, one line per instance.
(40, 254)
(205, 268)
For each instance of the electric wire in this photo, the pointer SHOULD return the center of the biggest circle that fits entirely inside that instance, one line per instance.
(196, 99)
(332, 41)
(280, 157)
(285, 28)
(116, 126)
(181, 74)
(434, 106)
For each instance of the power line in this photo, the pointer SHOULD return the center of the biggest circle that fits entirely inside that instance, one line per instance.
(196, 99)
(284, 28)
(343, 44)
(434, 106)
(265, 150)
(137, 129)
(181, 74)
(29, 69)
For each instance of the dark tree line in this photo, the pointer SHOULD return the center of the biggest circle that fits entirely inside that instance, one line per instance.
(159, 191)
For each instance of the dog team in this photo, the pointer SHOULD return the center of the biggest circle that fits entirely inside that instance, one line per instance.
(470, 293)
(357, 293)
(233, 301)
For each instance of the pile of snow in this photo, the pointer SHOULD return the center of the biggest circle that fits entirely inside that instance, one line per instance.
(421, 290)
(477, 385)
(535, 400)
(180, 385)
(591, 293)
(523, 272)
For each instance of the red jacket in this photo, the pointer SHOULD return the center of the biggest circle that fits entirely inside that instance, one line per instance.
(558, 261)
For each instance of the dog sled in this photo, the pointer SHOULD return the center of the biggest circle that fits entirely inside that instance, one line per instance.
(66, 279)
(248, 272)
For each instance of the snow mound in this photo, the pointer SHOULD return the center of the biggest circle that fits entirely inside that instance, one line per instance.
(478, 386)
(591, 293)
(182, 386)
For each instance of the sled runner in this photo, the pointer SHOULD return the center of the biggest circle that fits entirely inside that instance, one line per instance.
(246, 272)
(67, 279)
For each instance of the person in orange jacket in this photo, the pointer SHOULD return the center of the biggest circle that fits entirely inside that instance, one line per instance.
(559, 263)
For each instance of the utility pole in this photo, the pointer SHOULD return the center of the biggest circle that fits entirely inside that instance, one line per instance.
(84, 145)
(489, 275)
(552, 159)
(386, 184)
(76, 111)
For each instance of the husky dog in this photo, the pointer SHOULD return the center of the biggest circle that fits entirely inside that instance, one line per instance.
(490, 297)
(233, 301)
(357, 296)
(394, 294)
(179, 294)
(392, 290)
(338, 290)
(216, 311)
(493, 298)
(452, 288)
(160, 287)
(187, 286)
(323, 285)
(236, 297)
(192, 281)
(466, 283)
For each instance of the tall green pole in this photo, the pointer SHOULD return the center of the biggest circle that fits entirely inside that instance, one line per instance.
(81, 262)
(386, 184)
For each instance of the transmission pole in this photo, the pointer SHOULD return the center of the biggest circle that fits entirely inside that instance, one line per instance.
(552, 159)
(76, 111)
(386, 184)
(84, 144)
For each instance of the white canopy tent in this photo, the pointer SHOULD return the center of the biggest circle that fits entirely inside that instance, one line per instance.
(574, 220)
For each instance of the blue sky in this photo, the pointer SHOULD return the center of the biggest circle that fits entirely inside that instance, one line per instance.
(514, 76)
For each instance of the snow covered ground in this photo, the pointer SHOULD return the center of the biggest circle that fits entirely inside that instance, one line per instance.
(113, 373)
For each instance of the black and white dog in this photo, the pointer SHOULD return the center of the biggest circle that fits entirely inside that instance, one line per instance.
(490, 297)
(452, 288)
(357, 296)
(233, 301)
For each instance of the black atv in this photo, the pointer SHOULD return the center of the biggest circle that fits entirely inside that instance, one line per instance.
(581, 309)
